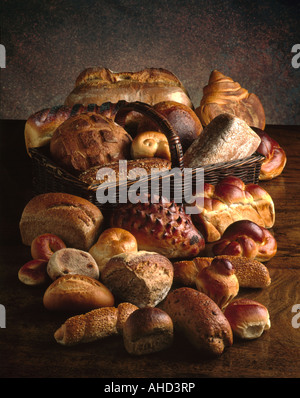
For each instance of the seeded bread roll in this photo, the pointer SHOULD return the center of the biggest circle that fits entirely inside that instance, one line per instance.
(143, 278)
(75, 220)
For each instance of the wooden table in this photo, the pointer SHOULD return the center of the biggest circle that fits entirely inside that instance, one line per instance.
(27, 345)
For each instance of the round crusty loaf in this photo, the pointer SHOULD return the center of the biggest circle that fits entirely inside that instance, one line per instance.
(200, 319)
(72, 261)
(88, 140)
(147, 330)
(142, 278)
(77, 294)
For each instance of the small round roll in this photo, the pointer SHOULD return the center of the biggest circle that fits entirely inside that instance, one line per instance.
(150, 144)
(147, 330)
(248, 318)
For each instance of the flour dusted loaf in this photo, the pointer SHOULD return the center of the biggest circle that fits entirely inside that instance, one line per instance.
(142, 278)
(224, 139)
(75, 220)
(151, 85)
(232, 200)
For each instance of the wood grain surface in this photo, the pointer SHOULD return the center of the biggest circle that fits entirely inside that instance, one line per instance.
(27, 345)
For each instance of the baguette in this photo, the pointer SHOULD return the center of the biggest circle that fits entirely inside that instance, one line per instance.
(94, 325)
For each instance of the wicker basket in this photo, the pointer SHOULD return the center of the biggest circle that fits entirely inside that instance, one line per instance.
(48, 177)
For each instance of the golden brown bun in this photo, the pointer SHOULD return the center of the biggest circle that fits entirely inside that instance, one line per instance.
(111, 242)
(200, 319)
(142, 278)
(250, 273)
(231, 200)
(162, 227)
(246, 239)
(275, 156)
(151, 85)
(147, 330)
(150, 144)
(224, 139)
(76, 294)
(223, 95)
(88, 140)
(93, 175)
(182, 118)
(94, 325)
(248, 318)
(70, 261)
(218, 281)
(34, 272)
(75, 220)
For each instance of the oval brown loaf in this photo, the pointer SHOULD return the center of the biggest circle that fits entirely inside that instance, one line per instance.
(77, 294)
(74, 219)
(200, 320)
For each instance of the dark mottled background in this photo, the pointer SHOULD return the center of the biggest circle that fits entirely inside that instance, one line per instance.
(48, 43)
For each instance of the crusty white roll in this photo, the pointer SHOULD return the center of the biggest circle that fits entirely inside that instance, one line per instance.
(70, 261)
(111, 242)
(75, 220)
(147, 330)
(219, 282)
(77, 294)
(248, 318)
(200, 319)
(150, 144)
(142, 278)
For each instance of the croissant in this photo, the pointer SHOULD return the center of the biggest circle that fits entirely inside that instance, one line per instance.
(224, 95)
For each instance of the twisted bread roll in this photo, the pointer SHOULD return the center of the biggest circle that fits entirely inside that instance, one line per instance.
(250, 273)
(94, 325)
(200, 319)
(247, 239)
(151, 85)
(223, 95)
(218, 281)
(275, 156)
(231, 200)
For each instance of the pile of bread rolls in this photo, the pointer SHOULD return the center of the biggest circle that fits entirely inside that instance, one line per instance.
(149, 270)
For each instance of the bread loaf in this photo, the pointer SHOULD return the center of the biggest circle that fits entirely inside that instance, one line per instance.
(94, 325)
(147, 330)
(231, 200)
(223, 95)
(75, 220)
(88, 140)
(143, 278)
(77, 294)
(246, 239)
(200, 319)
(250, 273)
(151, 85)
(163, 227)
(224, 139)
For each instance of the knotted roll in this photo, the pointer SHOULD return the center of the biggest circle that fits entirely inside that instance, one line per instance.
(223, 95)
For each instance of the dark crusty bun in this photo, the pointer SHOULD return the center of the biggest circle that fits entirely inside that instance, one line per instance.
(147, 330)
(218, 281)
(75, 220)
(200, 320)
(231, 200)
(248, 318)
(275, 156)
(182, 118)
(88, 140)
(223, 95)
(224, 139)
(163, 227)
(246, 239)
(142, 278)
(77, 294)
(151, 85)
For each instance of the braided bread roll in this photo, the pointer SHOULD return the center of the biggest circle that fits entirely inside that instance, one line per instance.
(94, 325)
(223, 95)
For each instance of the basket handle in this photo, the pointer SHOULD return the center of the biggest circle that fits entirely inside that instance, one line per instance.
(162, 122)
